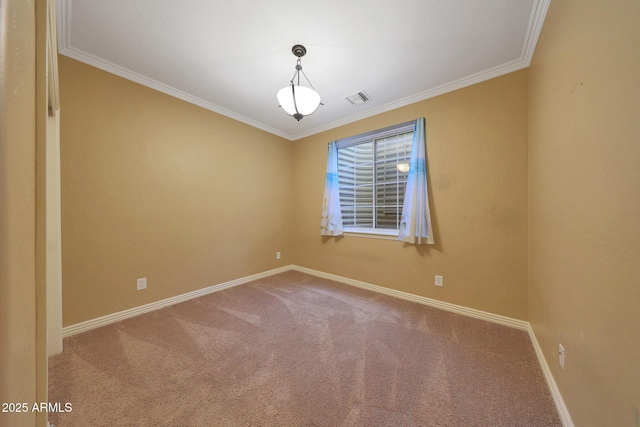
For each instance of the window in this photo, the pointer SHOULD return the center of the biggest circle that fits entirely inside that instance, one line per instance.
(376, 184)
(372, 176)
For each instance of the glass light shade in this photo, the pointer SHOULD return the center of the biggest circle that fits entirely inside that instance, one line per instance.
(307, 100)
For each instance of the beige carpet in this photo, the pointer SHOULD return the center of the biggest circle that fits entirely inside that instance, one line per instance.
(296, 350)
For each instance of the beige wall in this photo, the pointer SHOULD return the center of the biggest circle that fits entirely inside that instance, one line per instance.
(41, 109)
(155, 187)
(537, 168)
(477, 171)
(23, 109)
(584, 195)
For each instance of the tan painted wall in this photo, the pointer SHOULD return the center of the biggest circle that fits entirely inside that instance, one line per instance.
(584, 217)
(477, 171)
(42, 109)
(155, 187)
(18, 330)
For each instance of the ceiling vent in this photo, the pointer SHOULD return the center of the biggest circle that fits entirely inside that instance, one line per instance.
(359, 98)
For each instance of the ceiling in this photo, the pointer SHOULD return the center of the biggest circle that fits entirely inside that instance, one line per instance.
(232, 56)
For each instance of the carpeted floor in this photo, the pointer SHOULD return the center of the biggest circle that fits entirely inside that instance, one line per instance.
(297, 350)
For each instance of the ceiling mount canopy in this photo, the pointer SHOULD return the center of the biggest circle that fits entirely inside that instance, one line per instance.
(298, 101)
(299, 50)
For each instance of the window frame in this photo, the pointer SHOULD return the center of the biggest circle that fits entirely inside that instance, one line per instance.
(389, 131)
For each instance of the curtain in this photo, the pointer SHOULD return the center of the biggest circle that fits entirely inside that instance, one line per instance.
(415, 222)
(331, 222)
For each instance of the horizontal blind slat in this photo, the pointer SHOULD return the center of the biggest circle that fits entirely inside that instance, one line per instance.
(371, 186)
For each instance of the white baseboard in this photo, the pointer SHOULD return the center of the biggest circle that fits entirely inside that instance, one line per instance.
(563, 413)
(465, 311)
(132, 312)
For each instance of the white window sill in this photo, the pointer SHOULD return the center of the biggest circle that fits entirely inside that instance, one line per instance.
(370, 233)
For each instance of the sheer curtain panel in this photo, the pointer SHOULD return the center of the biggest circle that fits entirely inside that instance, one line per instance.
(415, 223)
(331, 222)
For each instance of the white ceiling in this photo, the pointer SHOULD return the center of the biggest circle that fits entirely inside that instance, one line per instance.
(232, 56)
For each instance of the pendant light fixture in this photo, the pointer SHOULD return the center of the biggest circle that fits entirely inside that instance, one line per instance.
(298, 101)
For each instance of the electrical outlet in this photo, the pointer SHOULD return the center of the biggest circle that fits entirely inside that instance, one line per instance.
(561, 355)
(278, 255)
(439, 280)
(141, 284)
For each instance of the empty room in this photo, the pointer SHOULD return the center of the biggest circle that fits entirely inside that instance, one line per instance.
(376, 213)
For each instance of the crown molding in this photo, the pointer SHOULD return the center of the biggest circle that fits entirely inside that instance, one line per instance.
(482, 76)
(536, 19)
(169, 90)
(64, 48)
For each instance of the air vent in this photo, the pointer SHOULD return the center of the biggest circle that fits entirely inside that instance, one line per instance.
(359, 98)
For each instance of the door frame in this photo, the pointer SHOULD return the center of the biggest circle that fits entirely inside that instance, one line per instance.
(53, 197)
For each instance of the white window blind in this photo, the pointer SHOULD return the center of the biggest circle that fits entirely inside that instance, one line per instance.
(372, 185)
